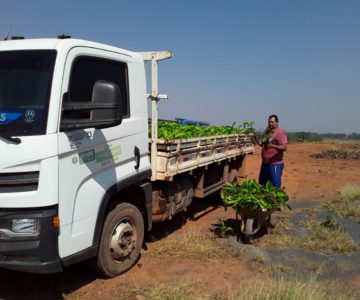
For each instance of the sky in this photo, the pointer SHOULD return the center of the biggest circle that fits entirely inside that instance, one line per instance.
(233, 60)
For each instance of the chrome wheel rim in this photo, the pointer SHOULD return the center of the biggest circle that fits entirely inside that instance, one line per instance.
(122, 241)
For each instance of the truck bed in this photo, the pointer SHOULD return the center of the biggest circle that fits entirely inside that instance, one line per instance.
(179, 156)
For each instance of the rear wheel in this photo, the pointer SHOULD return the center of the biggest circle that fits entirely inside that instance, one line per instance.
(121, 240)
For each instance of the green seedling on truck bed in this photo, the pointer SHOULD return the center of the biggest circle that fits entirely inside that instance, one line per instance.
(174, 130)
(252, 195)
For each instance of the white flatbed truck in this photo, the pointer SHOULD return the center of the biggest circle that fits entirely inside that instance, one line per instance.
(79, 177)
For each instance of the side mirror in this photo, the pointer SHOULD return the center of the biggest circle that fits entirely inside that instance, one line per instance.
(103, 111)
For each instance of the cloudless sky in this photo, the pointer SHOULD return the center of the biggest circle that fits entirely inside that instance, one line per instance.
(233, 61)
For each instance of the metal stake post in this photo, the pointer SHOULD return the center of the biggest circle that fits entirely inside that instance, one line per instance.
(154, 57)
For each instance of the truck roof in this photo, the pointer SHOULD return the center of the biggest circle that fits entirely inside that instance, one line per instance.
(59, 45)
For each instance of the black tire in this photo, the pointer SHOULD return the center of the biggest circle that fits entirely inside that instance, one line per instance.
(121, 240)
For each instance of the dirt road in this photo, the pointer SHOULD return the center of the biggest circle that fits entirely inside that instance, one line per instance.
(304, 178)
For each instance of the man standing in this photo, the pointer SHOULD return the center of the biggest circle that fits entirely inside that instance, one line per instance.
(272, 152)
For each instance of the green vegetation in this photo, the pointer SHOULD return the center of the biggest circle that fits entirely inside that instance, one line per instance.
(348, 203)
(175, 130)
(252, 195)
(319, 137)
(306, 136)
(222, 230)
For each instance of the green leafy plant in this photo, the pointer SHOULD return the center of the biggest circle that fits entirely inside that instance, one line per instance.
(247, 127)
(252, 195)
(222, 230)
(173, 130)
(266, 139)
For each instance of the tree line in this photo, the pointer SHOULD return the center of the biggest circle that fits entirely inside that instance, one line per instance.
(314, 136)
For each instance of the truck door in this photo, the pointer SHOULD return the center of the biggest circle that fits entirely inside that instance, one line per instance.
(91, 160)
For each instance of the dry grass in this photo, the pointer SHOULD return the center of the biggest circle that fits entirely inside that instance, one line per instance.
(294, 289)
(316, 268)
(191, 244)
(270, 269)
(256, 290)
(348, 203)
(350, 192)
(328, 239)
(183, 290)
(320, 237)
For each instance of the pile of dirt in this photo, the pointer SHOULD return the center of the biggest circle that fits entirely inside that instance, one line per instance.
(337, 154)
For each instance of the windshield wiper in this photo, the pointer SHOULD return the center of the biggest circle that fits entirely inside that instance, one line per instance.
(14, 140)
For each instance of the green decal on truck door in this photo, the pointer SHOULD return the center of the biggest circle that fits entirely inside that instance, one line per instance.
(87, 156)
(101, 155)
(111, 153)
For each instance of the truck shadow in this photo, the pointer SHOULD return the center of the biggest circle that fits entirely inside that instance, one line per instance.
(18, 285)
(198, 209)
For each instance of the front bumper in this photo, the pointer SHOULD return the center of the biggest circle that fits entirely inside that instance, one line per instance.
(37, 254)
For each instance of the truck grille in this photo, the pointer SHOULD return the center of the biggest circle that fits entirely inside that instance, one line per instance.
(19, 182)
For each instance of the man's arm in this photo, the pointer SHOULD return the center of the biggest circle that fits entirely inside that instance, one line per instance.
(278, 147)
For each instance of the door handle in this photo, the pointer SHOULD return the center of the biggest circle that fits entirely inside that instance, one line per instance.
(137, 157)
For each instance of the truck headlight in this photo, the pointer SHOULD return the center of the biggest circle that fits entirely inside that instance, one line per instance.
(26, 227)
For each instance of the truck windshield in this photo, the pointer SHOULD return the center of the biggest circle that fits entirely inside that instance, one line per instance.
(25, 84)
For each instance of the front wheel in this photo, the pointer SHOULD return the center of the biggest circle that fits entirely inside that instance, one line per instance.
(121, 240)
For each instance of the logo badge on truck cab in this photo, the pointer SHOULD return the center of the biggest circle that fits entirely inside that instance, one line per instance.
(29, 115)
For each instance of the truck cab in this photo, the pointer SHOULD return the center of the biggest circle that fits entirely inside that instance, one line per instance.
(74, 147)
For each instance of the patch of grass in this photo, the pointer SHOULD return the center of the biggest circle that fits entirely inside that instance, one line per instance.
(191, 244)
(183, 290)
(257, 263)
(350, 193)
(310, 210)
(328, 236)
(278, 240)
(284, 226)
(276, 268)
(295, 289)
(258, 259)
(316, 268)
(348, 203)
(255, 289)
(280, 236)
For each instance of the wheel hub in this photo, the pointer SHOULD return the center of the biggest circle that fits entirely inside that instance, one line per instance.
(123, 241)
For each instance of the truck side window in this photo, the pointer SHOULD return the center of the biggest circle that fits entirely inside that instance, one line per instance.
(87, 70)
